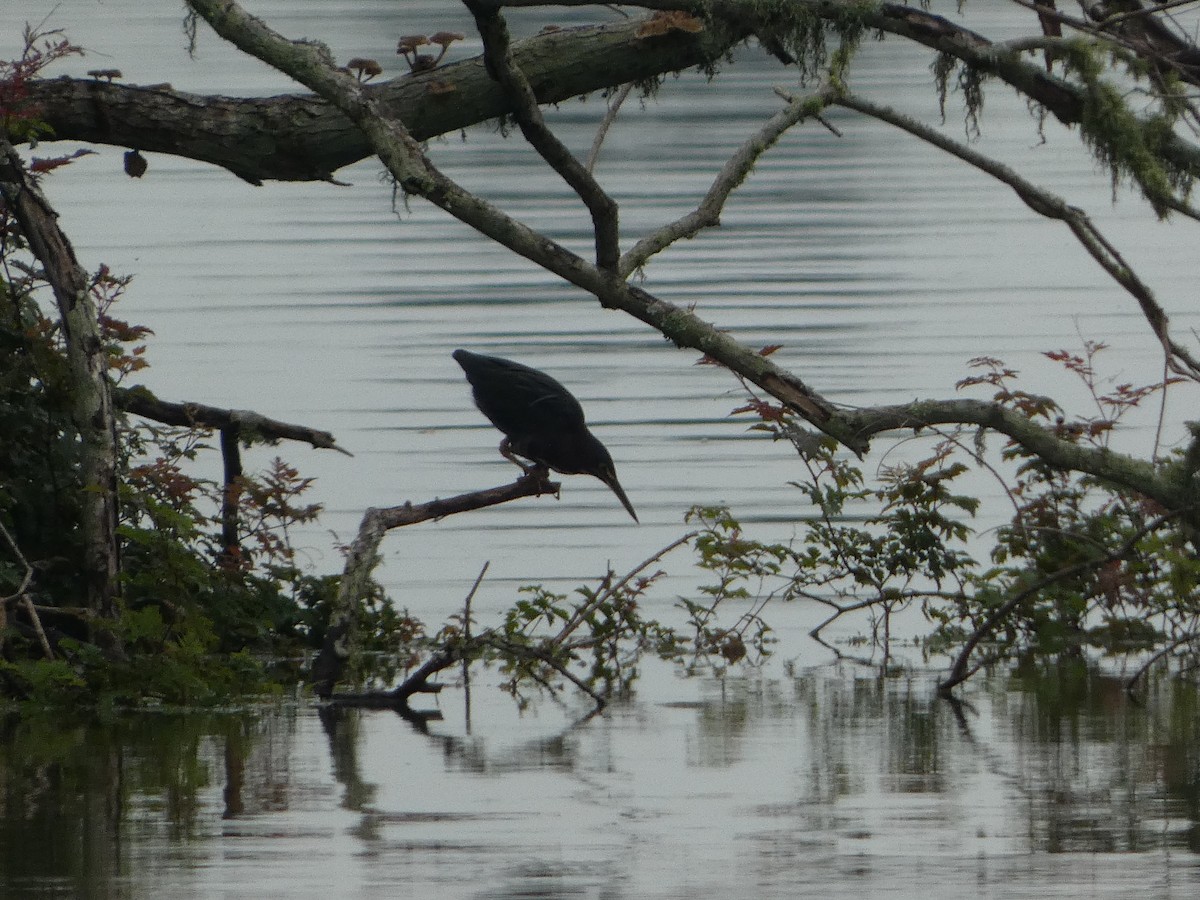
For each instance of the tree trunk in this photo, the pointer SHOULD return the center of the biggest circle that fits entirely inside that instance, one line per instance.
(91, 408)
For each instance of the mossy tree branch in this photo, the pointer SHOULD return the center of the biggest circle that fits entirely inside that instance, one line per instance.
(301, 137)
(310, 64)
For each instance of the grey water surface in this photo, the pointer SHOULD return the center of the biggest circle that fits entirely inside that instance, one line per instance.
(826, 783)
(879, 264)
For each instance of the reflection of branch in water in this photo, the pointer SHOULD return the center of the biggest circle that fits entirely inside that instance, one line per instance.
(342, 730)
(1170, 648)
(469, 754)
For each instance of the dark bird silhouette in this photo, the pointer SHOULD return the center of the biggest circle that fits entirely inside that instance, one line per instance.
(540, 419)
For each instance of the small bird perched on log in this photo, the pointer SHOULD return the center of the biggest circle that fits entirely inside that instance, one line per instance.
(540, 419)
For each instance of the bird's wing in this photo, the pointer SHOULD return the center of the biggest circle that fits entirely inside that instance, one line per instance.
(518, 398)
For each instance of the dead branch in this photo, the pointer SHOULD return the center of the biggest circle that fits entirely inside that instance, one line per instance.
(299, 137)
(363, 556)
(610, 116)
(249, 424)
(610, 590)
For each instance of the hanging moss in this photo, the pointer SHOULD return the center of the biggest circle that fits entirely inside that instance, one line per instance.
(1131, 146)
(803, 32)
(969, 83)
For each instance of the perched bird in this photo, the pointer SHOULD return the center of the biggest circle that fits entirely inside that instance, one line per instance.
(541, 420)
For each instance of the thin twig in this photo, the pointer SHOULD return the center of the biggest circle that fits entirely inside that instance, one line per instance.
(611, 590)
(732, 174)
(466, 663)
(610, 116)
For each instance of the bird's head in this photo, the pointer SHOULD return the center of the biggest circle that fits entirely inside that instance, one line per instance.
(607, 473)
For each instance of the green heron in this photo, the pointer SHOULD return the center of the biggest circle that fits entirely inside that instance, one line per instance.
(540, 419)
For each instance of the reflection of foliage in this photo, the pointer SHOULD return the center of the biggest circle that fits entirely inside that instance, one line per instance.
(74, 785)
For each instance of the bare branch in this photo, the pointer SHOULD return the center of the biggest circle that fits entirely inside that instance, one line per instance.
(732, 174)
(610, 116)
(498, 57)
(299, 137)
(609, 591)
(363, 556)
(1051, 206)
(250, 424)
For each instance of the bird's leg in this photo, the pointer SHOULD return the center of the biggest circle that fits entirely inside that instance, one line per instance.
(537, 470)
(507, 453)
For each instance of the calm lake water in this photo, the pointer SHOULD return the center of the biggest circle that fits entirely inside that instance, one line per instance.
(880, 265)
(827, 783)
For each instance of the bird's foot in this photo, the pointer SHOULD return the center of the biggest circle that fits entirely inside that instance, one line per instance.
(536, 472)
(526, 470)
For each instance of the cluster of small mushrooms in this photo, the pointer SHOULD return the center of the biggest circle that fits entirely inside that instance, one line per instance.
(423, 62)
(365, 69)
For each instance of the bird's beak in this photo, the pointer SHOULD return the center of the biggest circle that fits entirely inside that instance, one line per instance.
(610, 478)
